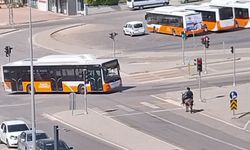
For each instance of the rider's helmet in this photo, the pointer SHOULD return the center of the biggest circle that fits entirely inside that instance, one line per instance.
(188, 88)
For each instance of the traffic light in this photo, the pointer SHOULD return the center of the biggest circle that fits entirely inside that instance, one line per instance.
(203, 40)
(199, 64)
(207, 42)
(232, 49)
(7, 50)
(112, 35)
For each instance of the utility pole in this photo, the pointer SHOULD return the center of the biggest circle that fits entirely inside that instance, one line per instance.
(33, 112)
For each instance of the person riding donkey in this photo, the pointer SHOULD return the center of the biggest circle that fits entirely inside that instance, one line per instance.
(187, 99)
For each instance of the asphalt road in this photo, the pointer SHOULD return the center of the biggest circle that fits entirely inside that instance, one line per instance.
(167, 123)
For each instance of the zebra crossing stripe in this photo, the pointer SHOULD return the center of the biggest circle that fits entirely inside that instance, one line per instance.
(125, 108)
(149, 105)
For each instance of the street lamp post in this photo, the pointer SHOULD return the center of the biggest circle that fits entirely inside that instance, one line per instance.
(33, 118)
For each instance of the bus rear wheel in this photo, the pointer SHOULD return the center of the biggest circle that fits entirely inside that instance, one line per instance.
(173, 32)
(81, 89)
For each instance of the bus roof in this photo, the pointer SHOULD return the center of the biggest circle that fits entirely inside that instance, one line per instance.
(234, 4)
(81, 59)
(203, 7)
(172, 10)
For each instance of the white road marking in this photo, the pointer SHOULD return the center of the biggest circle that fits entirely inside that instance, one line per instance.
(141, 113)
(211, 117)
(202, 134)
(125, 108)
(149, 105)
(85, 132)
(167, 100)
(245, 127)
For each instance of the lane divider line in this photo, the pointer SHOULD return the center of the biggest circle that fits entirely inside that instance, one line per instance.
(209, 116)
(197, 132)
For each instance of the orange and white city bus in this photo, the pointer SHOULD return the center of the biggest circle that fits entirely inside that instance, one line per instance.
(63, 73)
(174, 21)
(241, 11)
(215, 18)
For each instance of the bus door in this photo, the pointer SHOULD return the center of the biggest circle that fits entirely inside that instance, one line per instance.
(95, 79)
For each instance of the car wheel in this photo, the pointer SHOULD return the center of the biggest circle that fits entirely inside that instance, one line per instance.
(7, 143)
(140, 7)
(1, 142)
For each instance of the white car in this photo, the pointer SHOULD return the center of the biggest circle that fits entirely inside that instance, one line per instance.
(134, 28)
(10, 130)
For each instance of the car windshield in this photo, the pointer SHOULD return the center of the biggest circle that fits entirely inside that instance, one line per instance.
(138, 25)
(17, 127)
(62, 146)
(38, 136)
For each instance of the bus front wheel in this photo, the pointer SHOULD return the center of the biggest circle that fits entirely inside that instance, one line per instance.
(236, 25)
(28, 89)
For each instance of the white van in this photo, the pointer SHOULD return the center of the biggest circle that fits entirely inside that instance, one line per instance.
(134, 28)
(133, 4)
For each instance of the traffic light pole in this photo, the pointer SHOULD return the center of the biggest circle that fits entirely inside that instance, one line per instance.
(200, 86)
(183, 49)
(85, 93)
(234, 75)
(114, 47)
(205, 57)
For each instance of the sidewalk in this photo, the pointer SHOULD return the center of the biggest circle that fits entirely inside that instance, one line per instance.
(21, 16)
(111, 131)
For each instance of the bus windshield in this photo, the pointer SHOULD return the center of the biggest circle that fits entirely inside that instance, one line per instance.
(111, 71)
